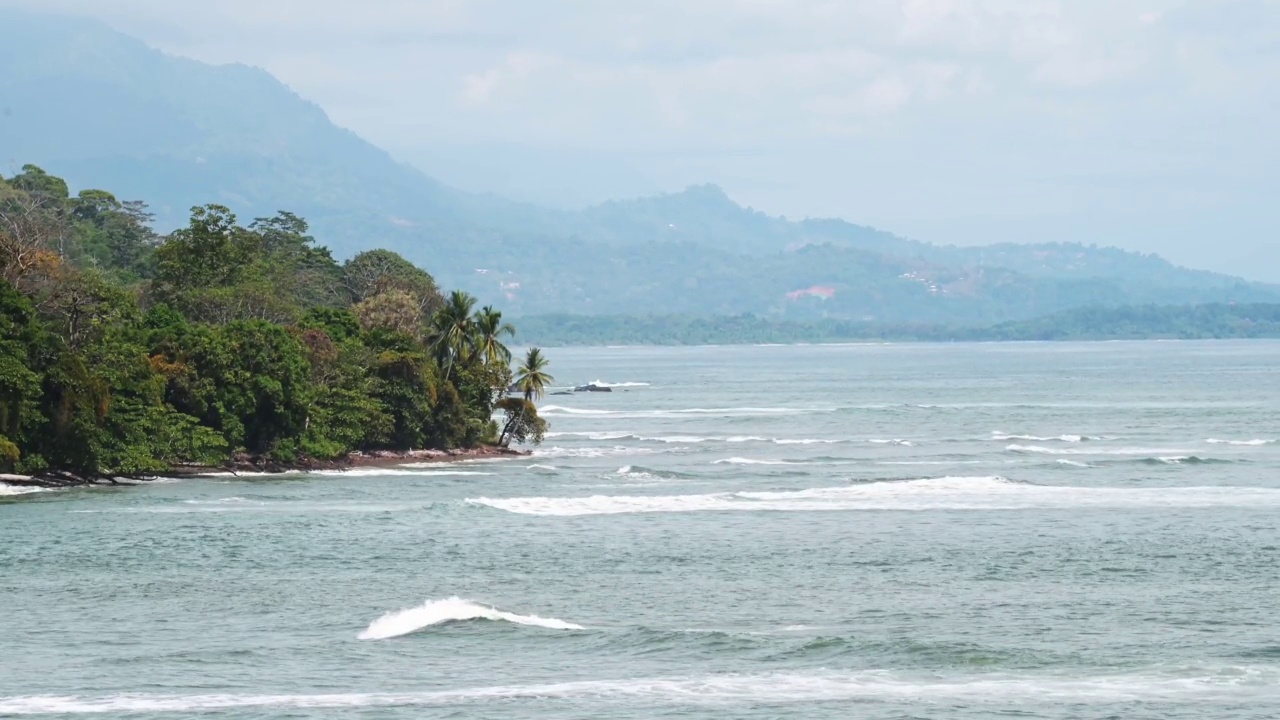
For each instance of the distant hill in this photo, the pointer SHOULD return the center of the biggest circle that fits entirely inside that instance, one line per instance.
(1149, 322)
(105, 110)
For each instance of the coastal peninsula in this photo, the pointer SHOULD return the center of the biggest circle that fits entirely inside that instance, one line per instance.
(126, 355)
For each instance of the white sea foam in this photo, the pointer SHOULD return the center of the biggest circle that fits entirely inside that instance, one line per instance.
(633, 473)
(750, 461)
(1236, 683)
(560, 410)
(1073, 463)
(930, 463)
(437, 612)
(15, 490)
(282, 507)
(601, 435)
(948, 493)
(1123, 452)
(595, 452)
(601, 383)
(688, 439)
(545, 468)
(252, 474)
(1001, 436)
(219, 501)
(903, 443)
(1241, 443)
(413, 470)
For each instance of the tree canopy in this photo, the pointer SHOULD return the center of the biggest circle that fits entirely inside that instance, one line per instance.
(123, 353)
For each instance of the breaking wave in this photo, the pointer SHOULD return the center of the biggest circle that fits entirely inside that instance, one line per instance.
(595, 452)
(602, 435)
(1235, 683)
(402, 471)
(948, 493)
(560, 410)
(1151, 452)
(749, 461)
(1241, 443)
(644, 473)
(15, 490)
(691, 439)
(1001, 436)
(601, 383)
(1185, 460)
(438, 612)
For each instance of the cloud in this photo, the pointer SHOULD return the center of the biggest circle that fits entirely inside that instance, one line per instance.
(753, 66)
(957, 104)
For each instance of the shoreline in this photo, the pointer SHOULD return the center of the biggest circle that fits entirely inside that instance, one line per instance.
(375, 459)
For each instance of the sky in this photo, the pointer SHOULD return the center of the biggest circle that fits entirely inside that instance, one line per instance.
(1147, 124)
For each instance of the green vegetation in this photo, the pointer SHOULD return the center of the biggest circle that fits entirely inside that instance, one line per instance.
(124, 353)
(1180, 322)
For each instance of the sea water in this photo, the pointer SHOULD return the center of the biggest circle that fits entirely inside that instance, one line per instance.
(872, 531)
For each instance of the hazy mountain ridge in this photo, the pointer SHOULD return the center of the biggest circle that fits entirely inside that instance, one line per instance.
(105, 110)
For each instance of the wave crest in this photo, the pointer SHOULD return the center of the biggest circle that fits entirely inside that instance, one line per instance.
(1223, 682)
(750, 461)
(1122, 452)
(455, 609)
(554, 410)
(16, 490)
(947, 493)
(1003, 436)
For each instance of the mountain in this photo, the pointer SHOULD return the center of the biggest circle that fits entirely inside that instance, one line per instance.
(105, 110)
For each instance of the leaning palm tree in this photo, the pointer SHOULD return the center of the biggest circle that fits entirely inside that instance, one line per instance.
(452, 331)
(532, 378)
(488, 332)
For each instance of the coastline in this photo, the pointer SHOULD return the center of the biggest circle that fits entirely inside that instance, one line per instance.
(377, 458)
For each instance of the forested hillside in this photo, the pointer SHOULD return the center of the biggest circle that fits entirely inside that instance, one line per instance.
(1172, 322)
(124, 353)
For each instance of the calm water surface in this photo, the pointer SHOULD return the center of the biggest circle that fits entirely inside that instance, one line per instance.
(915, 531)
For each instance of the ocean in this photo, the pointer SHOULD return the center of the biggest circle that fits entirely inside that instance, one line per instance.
(858, 531)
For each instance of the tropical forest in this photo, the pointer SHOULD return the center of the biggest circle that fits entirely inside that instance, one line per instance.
(124, 353)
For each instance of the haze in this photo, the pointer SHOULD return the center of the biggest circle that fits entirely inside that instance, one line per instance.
(1140, 123)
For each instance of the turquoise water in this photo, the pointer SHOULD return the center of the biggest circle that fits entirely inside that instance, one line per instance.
(922, 531)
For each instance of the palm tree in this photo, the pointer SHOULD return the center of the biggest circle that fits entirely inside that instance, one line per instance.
(531, 377)
(488, 332)
(452, 330)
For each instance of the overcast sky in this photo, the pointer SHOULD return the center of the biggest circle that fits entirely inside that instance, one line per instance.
(1149, 124)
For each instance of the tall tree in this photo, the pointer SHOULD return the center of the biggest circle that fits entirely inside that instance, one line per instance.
(374, 272)
(33, 234)
(489, 331)
(532, 378)
(452, 338)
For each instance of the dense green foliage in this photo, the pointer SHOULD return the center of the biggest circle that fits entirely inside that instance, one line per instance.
(179, 132)
(123, 353)
(1181, 322)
